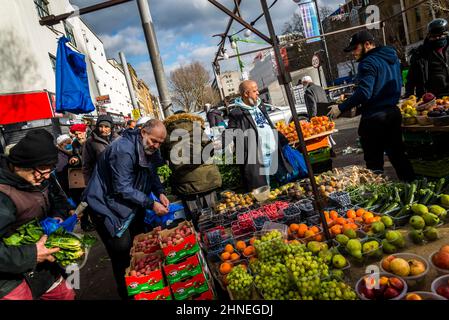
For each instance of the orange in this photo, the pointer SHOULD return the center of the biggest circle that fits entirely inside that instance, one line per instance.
(294, 227)
(329, 221)
(346, 226)
(350, 220)
(225, 268)
(319, 237)
(309, 233)
(326, 214)
(360, 212)
(369, 220)
(225, 256)
(235, 257)
(229, 248)
(336, 229)
(252, 240)
(315, 229)
(351, 214)
(341, 221)
(358, 219)
(376, 219)
(289, 232)
(334, 215)
(353, 226)
(302, 229)
(240, 245)
(367, 215)
(249, 250)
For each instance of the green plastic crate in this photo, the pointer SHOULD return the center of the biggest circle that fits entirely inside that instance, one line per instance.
(320, 155)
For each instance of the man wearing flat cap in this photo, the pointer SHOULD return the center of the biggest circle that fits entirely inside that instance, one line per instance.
(378, 90)
(28, 191)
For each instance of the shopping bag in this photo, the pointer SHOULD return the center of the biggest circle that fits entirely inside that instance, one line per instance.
(175, 212)
(50, 225)
(296, 160)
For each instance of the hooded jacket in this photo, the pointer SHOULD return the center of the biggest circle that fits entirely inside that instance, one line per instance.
(94, 146)
(122, 181)
(379, 82)
(429, 72)
(190, 178)
(215, 117)
(21, 202)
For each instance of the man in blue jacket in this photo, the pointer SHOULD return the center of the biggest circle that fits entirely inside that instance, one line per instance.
(118, 191)
(377, 93)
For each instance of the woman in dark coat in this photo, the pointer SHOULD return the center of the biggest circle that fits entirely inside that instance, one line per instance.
(98, 141)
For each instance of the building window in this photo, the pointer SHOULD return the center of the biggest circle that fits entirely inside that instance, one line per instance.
(69, 32)
(42, 8)
(53, 62)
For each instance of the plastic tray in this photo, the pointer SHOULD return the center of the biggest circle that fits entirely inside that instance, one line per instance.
(413, 282)
(358, 285)
(440, 271)
(438, 282)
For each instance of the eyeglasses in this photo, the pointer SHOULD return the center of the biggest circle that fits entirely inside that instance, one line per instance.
(45, 172)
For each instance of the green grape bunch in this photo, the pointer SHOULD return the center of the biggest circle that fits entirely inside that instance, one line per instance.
(240, 283)
(336, 290)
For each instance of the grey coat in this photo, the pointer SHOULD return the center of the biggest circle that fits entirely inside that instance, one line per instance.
(314, 94)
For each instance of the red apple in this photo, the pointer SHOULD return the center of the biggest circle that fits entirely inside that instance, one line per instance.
(391, 293)
(396, 283)
(443, 291)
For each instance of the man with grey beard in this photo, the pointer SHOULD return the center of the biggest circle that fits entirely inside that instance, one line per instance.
(118, 192)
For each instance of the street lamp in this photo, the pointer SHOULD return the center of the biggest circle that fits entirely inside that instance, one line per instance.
(247, 33)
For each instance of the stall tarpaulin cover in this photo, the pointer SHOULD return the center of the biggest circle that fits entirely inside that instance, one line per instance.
(72, 86)
(23, 107)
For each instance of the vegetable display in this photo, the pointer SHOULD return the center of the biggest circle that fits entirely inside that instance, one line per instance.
(72, 247)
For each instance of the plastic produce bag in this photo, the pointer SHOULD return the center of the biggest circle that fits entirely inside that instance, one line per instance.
(296, 160)
(50, 225)
(175, 212)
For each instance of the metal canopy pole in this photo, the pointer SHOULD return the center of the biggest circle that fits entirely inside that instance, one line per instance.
(129, 81)
(285, 81)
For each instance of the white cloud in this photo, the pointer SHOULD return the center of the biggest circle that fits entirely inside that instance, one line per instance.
(127, 40)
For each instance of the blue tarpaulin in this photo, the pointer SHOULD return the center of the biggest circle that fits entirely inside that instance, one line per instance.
(72, 86)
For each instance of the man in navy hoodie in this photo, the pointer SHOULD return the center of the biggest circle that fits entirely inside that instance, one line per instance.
(378, 91)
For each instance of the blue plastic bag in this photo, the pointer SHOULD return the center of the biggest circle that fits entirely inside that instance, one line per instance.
(175, 212)
(296, 160)
(72, 85)
(50, 225)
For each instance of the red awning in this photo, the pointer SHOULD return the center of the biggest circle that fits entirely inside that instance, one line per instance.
(22, 107)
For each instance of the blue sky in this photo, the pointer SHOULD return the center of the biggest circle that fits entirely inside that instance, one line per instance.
(184, 30)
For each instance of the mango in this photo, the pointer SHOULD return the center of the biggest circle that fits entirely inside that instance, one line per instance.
(350, 233)
(342, 239)
(437, 210)
(388, 247)
(445, 200)
(431, 233)
(387, 221)
(378, 227)
(431, 219)
(417, 236)
(354, 245)
(420, 209)
(417, 222)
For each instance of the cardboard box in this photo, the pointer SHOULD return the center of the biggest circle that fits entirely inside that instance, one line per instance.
(163, 294)
(175, 253)
(187, 268)
(193, 286)
(151, 282)
(208, 295)
(142, 236)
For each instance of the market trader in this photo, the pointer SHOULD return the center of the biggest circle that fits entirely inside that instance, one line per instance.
(376, 95)
(28, 190)
(429, 71)
(118, 192)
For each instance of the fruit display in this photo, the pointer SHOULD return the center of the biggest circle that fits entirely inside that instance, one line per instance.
(240, 283)
(381, 287)
(293, 190)
(231, 200)
(336, 290)
(440, 259)
(393, 242)
(443, 288)
(146, 243)
(177, 236)
(360, 249)
(304, 232)
(146, 265)
(273, 282)
(406, 266)
(316, 126)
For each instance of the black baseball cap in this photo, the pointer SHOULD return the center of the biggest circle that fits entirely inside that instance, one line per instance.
(359, 38)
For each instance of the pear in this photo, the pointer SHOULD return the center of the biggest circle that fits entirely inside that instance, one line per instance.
(431, 219)
(417, 236)
(417, 222)
(431, 233)
(387, 221)
(342, 239)
(388, 247)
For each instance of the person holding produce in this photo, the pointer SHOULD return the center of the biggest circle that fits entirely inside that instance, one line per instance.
(194, 183)
(118, 192)
(100, 138)
(250, 114)
(28, 190)
(428, 71)
(376, 96)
